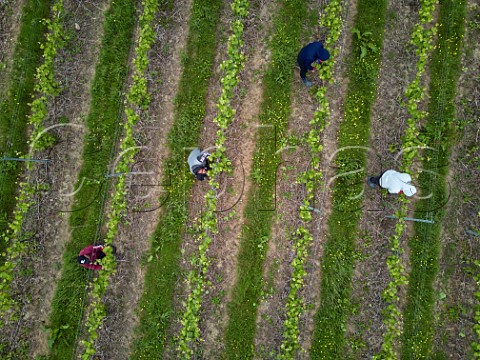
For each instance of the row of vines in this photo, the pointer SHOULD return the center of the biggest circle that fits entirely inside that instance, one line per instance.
(156, 307)
(438, 136)
(137, 101)
(421, 39)
(45, 89)
(352, 137)
(331, 20)
(73, 322)
(275, 110)
(73, 289)
(207, 224)
(19, 75)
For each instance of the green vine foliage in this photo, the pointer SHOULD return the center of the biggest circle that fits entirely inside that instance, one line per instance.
(137, 100)
(422, 39)
(207, 224)
(46, 89)
(332, 20)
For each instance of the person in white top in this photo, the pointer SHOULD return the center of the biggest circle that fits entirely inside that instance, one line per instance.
(394, 181)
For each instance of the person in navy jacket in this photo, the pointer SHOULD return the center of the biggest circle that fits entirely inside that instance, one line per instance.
(312, 53)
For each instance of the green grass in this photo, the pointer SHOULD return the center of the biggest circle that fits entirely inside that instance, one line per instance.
(86, 218)
(156, 307)
(439, 134)
(259, 211)
(338, 259)
(14, 108)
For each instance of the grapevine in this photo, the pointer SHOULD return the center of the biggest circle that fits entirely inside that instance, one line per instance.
(46, 89)
(137, 100)
(310, 178)
(207, 225)
(421, 38)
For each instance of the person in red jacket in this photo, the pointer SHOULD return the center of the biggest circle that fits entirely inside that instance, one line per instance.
(89, 255)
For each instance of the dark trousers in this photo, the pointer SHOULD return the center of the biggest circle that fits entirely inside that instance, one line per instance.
(207, 165)
(303, 73)
(376, 179)
(101, 254)
(303, 70)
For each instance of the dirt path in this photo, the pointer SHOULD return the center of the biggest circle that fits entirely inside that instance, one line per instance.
(10, 20)
(365, 329)
(455, 305)
(75, 66)
(240, 145)
(195, 199)
(289, 195)
(278, 270)
(133, 241)
(336, 97)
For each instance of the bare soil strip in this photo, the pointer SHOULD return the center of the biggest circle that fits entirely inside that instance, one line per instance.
(241, 145)
(278, 270)
(74, 71)
(10, 19)
(289, 196)
(133, 240)
(365, 329)
(196, 197)
(455, 304)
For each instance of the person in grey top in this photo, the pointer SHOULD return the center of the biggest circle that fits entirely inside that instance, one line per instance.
(199, 164)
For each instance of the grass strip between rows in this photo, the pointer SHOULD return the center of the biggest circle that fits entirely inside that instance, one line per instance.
(86, 217)
(15, 107)
(439, 135)
(259, 211)
(337, 264)
(162, 273)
